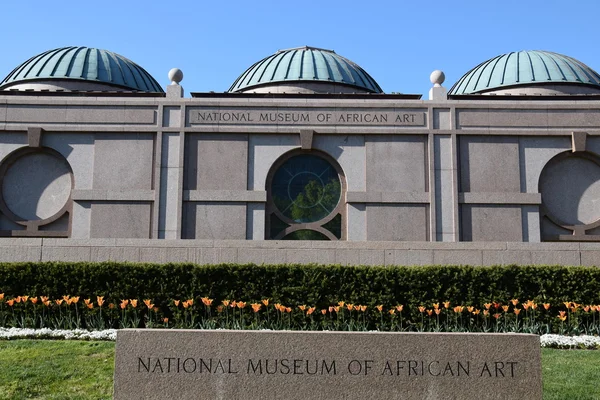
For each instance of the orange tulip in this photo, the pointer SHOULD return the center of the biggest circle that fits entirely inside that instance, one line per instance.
(10, 302)
(330, 309)
(476, 312)
(562, 313)
(399, 308)
(24, 298)
(241, 304)
(256, 307)
(392, 311)
(58, 301)
(233, 304)
(166, 320)
(323, 311)
(446, 304)
(288, 310)
(124, 304)
(496, 316)
(429, 312)
(310, 311)
(437, 311)
(43, 298)
(302, 308)
(470, 308)
(567, 304)
(265, 302)
(225, 302)
(75, 299)
(516, 311)
(546, 306)
(100, 300)
(341, 303)
(357, 308)
(86, 301)
(176, 302)
(66, 298)
(458, 309)
(486, 312)
(336, 308)
(562, 317)
(350, 307)
(505, 308)
(134, 303)
(34, 300)
(148, 304)
(219, 308)
(363, 308)
(1, 296)
(112, 306)
(515, 302)
(185, 304)
(421, 309)
(206, 301)
(487, 305)
(379, 307)
(90, 305)
(532, 305)
(436, 306)
(525, 306)
(46, 303)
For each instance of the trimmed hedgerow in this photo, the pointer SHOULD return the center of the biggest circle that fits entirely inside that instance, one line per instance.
(319, 285)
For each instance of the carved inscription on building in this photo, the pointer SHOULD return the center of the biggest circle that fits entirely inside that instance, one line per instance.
(197, 116)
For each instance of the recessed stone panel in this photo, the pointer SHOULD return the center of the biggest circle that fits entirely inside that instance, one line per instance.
(397, 222)
(123, 161)
(395, 163)
(120, 220)
(203, 220)
(481, 223)
(216, 162)
(489, 164)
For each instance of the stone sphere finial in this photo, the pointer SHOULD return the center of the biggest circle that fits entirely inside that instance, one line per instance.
(437, 77)
(175, 76)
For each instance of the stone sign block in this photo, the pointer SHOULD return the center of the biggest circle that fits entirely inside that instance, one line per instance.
(247, 365)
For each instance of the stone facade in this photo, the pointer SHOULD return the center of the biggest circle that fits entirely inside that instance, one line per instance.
(124, 165)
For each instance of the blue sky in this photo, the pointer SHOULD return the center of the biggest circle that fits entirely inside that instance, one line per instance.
(397, 42)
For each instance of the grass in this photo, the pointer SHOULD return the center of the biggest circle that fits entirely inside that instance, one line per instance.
(81, 370)
(571, 374)
(56, 369)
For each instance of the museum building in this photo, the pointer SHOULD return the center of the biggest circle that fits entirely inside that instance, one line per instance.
(98, 161)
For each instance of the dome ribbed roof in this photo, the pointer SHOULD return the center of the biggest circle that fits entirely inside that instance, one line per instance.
(305, 64)
(525, 68)
(84, 63)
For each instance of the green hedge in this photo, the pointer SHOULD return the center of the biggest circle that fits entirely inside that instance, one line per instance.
(318, 285)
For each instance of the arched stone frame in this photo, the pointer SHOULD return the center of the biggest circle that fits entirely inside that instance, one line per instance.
(316, 226)
(35, 227)
(579, 230)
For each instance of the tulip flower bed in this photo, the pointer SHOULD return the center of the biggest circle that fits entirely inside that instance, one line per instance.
(99, 313)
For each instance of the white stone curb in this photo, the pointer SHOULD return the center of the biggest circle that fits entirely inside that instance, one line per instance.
(555, 341)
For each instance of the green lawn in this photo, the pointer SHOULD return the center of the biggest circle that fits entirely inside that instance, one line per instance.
(61, 369)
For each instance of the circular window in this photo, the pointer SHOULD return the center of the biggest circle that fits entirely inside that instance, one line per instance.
(570, 188)
(306, 188)
(37, 185)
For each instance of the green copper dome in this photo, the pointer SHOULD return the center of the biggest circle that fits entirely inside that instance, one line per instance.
(83, 64)
(306, 65)
(525, 68)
